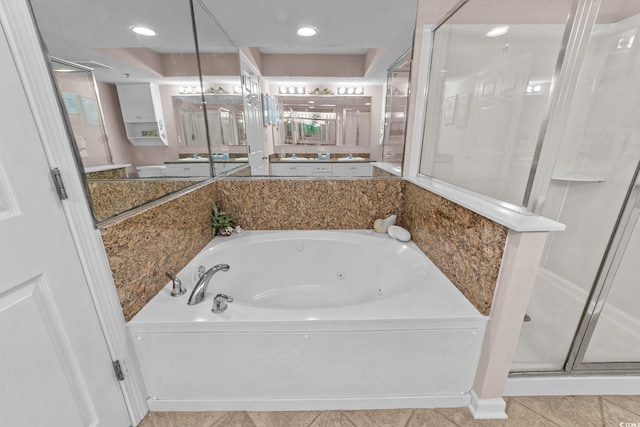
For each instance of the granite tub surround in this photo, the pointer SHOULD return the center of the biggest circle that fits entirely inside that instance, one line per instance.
(465, 246)
(143, 246)
(241, 171)
(381, 173)
(307, 204)
(107, 174)
(112, 197)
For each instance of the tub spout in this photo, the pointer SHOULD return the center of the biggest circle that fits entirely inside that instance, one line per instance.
(201, 287)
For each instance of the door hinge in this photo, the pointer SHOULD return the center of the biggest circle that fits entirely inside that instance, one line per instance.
(118, 370)
(57, 181)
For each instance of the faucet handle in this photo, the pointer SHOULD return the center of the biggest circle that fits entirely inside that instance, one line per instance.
(178, 289)
(201, 271)
(220, 303)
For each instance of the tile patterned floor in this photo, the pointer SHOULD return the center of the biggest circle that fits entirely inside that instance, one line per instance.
(569, 411)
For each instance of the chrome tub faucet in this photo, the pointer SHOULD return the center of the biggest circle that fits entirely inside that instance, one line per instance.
(201, 287)
(178, 289)
(220, 303)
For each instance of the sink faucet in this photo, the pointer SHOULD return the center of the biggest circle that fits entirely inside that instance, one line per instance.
(201, 287)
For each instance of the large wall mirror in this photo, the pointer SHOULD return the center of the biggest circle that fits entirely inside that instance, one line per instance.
(129, 77)
(155, 106)
(337, 121)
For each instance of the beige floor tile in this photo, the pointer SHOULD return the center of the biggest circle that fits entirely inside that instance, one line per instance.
(332, 419)
(428, 418)
(284, 418)
(616, 416)
(583, 411)
(234, 419)
(181, 419)
(520, 415)
(379, 418)
(630, 403)
(463, 418)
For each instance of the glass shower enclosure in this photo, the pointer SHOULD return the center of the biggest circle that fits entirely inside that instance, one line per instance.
(537, 109)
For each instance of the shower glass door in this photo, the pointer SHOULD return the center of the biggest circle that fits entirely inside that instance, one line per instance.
(610, 336)
(583, 312)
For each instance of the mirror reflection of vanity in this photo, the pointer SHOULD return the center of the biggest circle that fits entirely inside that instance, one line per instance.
(189, 143)
(325, 120)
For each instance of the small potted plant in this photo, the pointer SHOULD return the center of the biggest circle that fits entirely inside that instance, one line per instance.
(221, 223)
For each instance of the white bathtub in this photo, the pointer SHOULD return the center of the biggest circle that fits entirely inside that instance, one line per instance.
(320, 320)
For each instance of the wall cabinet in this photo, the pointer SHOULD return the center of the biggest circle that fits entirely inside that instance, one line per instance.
(142, 115)
(325, 169)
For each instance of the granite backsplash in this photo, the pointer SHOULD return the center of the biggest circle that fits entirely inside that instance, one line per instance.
(142, 246)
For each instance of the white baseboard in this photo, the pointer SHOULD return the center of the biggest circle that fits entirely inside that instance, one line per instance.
(570, 385)
(319, 404)
(487, 409)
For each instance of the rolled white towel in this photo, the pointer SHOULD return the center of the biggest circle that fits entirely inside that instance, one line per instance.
(382, 225)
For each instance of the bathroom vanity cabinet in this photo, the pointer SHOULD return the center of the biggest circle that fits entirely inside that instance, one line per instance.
(142, 114)
(318, 169)
(352, 169)
(186, 170)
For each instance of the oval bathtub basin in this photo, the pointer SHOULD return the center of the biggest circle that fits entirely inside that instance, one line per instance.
(329, 269)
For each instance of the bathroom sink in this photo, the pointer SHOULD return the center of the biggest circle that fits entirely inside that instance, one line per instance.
(241, 159)
(350, 159)
(295, 159)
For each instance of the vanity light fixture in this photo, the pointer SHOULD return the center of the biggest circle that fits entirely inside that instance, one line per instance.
(190, 89)
(534, 88)
(350, 90)
(497, 31)
(143, 31)
(307, 31)
(237, 89)
(292, 90)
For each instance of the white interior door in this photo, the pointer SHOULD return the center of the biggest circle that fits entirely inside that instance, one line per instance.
(55, 368)
(252, 117)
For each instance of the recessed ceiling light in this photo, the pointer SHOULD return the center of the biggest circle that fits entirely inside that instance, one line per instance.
(498, 31)
(143, 31)
(307, 31)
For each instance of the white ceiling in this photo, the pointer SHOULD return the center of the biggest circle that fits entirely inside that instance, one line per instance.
(74, 29)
